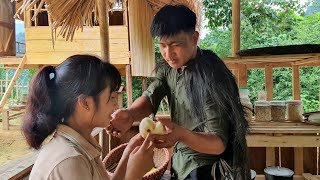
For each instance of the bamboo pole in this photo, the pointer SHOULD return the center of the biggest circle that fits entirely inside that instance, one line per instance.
(235, 27)
(129, 85)
(103, 8)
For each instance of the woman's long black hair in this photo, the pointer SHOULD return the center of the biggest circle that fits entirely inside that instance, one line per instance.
(54, 92)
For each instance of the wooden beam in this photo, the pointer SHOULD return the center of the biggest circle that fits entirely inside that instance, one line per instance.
(235, 27)
(129, 84)
(103, 8)
(10, 60)
(274, 65)
(274, 58)
(116, 34)
(269, 82)
(12, 82)
(283, 141)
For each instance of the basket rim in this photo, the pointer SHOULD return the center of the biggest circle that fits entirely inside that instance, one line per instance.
(147, 175)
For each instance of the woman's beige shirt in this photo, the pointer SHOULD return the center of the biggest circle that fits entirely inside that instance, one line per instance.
(69, 156)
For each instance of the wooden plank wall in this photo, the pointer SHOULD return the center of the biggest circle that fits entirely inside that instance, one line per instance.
(39, 45)
(7, 29)
(141, 42)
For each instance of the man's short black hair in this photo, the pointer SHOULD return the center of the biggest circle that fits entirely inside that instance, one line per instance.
(173, 19)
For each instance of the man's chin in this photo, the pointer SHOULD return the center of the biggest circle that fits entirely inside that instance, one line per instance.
(174, 66)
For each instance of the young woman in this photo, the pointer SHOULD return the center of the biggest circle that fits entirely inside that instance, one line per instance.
(69, 101)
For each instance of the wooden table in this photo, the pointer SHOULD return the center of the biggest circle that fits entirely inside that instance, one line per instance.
(299, 136)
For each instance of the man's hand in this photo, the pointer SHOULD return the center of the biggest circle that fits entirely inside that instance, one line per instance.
(174, 133)
(120, 123)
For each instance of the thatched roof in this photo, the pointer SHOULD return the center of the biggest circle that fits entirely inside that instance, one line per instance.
(73, 14)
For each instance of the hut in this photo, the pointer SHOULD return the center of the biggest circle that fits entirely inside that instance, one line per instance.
(130, 43)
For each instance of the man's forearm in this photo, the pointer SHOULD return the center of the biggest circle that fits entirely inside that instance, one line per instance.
(141, 108)
(202, 142)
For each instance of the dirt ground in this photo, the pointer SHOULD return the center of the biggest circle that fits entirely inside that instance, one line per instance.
(12, 142)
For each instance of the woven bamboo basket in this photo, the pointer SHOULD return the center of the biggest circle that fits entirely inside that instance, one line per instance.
(161, 160)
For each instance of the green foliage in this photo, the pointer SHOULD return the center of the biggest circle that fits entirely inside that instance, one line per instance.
(263, 25)
(258, 13)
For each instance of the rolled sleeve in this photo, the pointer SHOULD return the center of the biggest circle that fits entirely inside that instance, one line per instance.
(157, 90)
(217, 122)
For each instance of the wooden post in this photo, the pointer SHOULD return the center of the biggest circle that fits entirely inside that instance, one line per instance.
(144, 84)
(125, 12)
(103, 8)
(296, 83)
(5, 119)
(270, 155)
(270, 151)
(269, 82)
(7, 29)
(235, 27)
(298, 151)
(104, 143)
(129, 84)
(298, 160)
(243, 76)
(103, 12)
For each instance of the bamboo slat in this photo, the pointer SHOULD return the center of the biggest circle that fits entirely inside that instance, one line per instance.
(44, 33)
(58, 57)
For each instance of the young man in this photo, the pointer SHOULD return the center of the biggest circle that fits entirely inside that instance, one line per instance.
(207, 127)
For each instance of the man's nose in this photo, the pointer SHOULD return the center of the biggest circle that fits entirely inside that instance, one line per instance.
(170, 53)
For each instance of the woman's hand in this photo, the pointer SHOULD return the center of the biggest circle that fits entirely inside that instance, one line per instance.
(140, 160)
(134, 142)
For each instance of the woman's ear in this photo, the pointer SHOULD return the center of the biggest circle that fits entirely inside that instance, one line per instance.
(86, 102)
